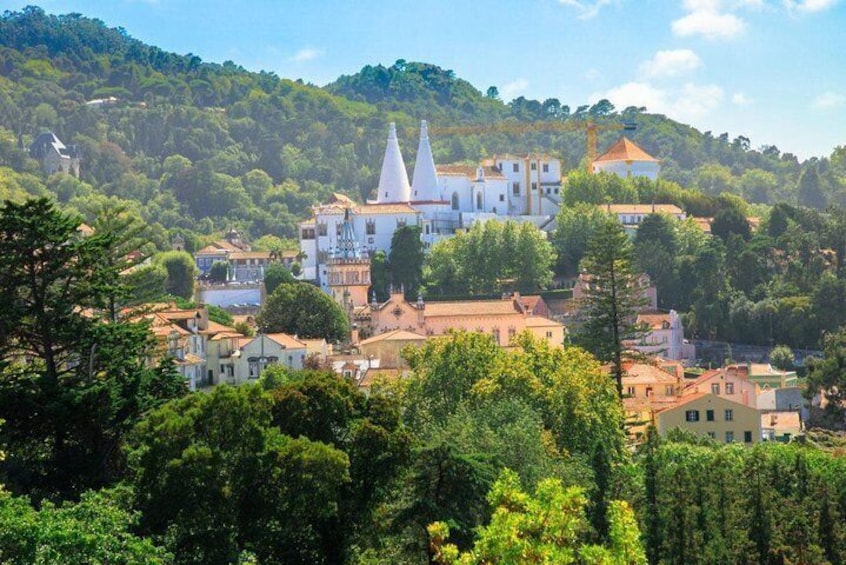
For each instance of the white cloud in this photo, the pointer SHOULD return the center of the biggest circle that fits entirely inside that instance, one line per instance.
(710, 24)
(586, 9)
(306, 54)
(510, 90)
(828, 100)
(671, 63)
(740, 99)
(808, 6)
(689, 102)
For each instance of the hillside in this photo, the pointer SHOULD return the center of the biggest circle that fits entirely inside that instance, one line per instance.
(199, 147)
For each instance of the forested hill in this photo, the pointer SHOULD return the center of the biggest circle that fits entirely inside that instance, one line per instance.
(199, 146)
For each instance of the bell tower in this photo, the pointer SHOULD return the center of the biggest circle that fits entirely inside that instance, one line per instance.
(348, 269)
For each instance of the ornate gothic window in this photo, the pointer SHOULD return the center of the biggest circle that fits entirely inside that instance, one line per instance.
(370, 227)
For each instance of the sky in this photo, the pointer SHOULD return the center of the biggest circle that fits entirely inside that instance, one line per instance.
(771, 70)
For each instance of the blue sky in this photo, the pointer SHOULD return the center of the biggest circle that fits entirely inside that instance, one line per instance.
(772, 70)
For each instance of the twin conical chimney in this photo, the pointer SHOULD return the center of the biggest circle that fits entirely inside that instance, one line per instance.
(393, 182)
(424, 187)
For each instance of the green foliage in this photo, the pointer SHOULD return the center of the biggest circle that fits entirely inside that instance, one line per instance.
(549, 527)
(490, 257)
(181, 273)
(613, 294)
(406, 259)
(304, 310)
(219, 271)
(574, 227)
(275, 275)
(97, 529)
(782, 358)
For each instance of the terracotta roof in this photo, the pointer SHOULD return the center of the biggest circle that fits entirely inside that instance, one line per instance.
(225, 335)
(338, 198)
(688, 398)
(641, 403)
(624, 149)
(250, 255)
(471, 308)
(85, 229)
(190, 359)
(704, 224)
(215, 328)
(782, 420)
(211, 250)
(396, 208)
(530, 302)
(671, 209)
(286, 341)
(178, 314)
(394, 335)
(642, 373)
(372, 376)
(655, 320)
(470, 171)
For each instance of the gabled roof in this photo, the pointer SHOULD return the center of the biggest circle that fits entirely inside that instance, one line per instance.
(655, 320)
(643, 373)
(395, 335)
(286, 341)
(624, 149)
(542, 322)
(472, 308)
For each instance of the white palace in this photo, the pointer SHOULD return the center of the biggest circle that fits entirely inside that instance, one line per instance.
(440, 200)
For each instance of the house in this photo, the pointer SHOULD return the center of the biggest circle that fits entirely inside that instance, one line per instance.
(717, 417)
(263, 350)
(647, 389)
(781, 425)
(727, 383)
(765, 376)
(664, 336)
(178, 334)
(631, 215)
(627, 159)
(388, 346)
(55, 156)
(503, 318)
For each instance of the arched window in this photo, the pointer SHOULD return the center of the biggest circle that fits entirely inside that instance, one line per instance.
(478, 201)
(455, 201)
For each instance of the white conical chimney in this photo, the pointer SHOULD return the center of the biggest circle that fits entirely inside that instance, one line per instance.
(393, 182)
(424, 187)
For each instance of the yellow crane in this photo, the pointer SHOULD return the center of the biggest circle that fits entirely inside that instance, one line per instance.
(591, 130)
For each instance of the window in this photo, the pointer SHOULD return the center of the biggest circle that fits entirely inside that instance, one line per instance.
(729, 437)
(670, 390)
(729, 415)
(709, 415)
(515, 167)
(546, 167)
(321, 228)
(534, 166)
(308, 233)
(712, 435)
(534, 186)
(455, 201)
(691, 415)
(370, 227)
(715, 388)
(630, 391)
(339, 227)
(515, 189)
(729, 388)
(496, 335)
(548, 335)
(502, 198)
(478, 201)
(747, 436)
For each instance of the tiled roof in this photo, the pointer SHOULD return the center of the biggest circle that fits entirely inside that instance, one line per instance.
(655, 320)
(624, 149)
(471, 308)
(374, 375)
(250, 255)
(470, 171)
(642, 373)
(225, 335)
(396, 208)
(395, 335)
(286, 341)
(215, 328)
(211, 250)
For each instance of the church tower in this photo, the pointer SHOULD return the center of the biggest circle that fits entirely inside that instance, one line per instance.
(393, 182)
(424, 186)
(348, 270)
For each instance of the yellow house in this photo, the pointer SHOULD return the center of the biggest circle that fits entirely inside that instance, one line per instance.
(387, 347)
(714, 416)
(647, 389)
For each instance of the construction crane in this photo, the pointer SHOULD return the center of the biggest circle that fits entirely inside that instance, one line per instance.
(591, 130)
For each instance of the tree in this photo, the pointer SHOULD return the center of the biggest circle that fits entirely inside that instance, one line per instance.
(181, 272)
(275, 275)
(809, 190)
(827, 376)
(729, 221)
(547, 527)
(613, 295)
(781, 357)
(219, 271)
(574, 227)
(304, 310)
(405, 260)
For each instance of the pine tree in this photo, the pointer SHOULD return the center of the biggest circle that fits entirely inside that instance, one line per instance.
(613, 295)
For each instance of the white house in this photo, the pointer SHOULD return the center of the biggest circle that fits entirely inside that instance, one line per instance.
(627, 159)
(264, 350)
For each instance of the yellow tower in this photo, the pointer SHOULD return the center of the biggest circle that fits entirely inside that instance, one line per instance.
(348, 270)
